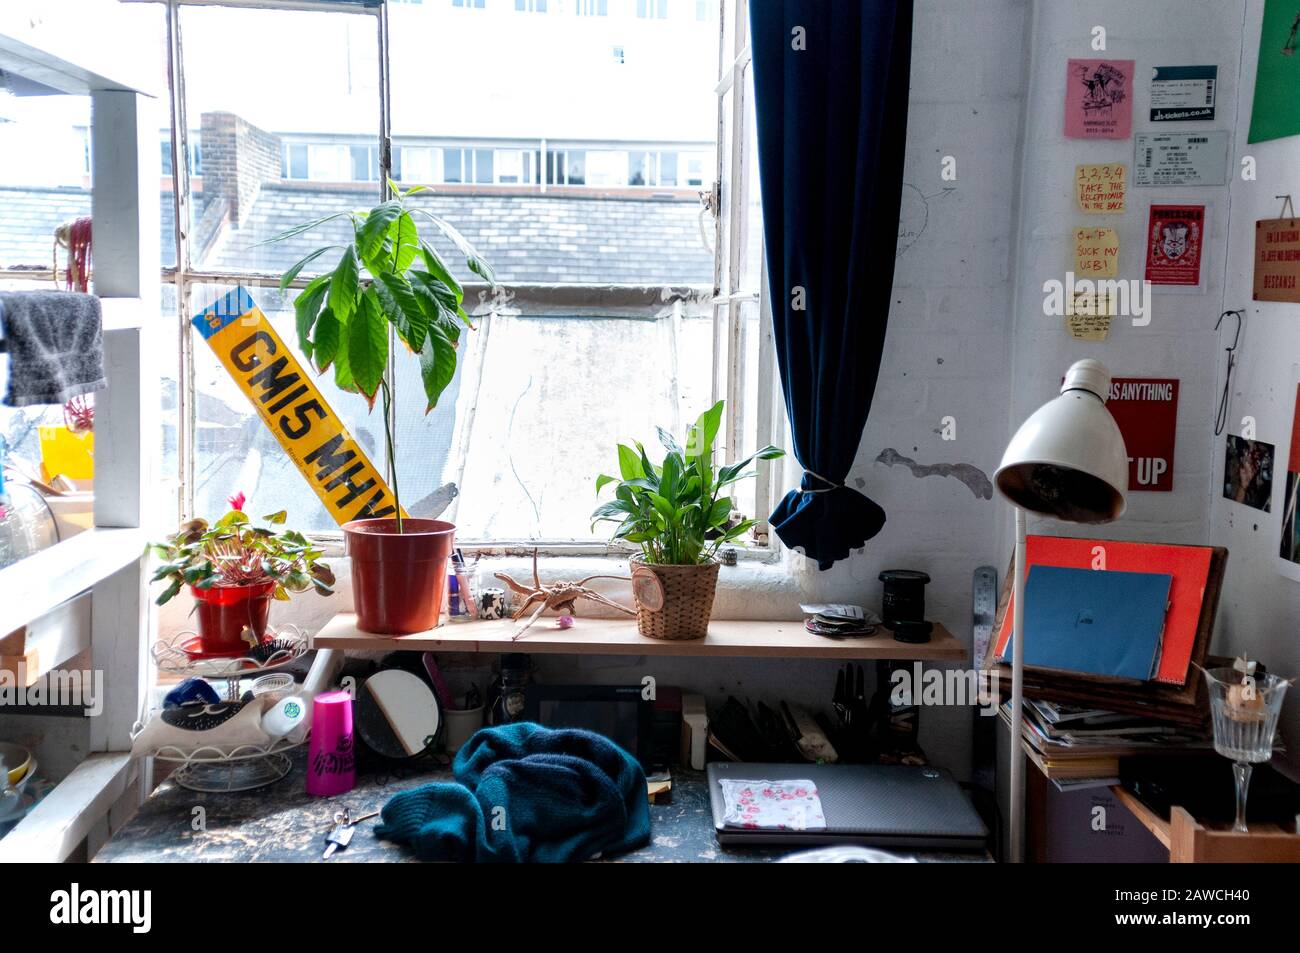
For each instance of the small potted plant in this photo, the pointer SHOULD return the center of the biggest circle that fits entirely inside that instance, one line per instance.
(388, 277)
(679, 513)
(234, 569)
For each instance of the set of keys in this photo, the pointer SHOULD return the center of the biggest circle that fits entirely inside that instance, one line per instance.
(340, 834)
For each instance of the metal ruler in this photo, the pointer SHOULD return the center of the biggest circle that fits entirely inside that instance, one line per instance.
(984, 608)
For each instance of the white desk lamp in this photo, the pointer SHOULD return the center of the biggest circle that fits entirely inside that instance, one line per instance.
(1068, 461)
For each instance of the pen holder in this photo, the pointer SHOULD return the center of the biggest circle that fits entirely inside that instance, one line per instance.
(331, 765)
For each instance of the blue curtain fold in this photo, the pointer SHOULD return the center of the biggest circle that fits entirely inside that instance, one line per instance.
(831, 86)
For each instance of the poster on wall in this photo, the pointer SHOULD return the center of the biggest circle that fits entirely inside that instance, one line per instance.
(1098, 99)
(1276, 111)
(1146, 409)
(1183, 93)
(1175, 239)
(1277, 259)
(1099, 189)
(1181, 158)
(1248, 472)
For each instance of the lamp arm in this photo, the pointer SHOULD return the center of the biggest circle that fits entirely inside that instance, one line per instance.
(1017, 811)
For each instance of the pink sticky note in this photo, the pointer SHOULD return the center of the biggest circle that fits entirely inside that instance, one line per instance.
(1098, 99)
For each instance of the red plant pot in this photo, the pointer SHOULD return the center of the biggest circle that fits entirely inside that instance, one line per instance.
(224, 612)
(398, 579)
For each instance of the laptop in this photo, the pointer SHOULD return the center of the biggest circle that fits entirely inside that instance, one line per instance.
(881, 805)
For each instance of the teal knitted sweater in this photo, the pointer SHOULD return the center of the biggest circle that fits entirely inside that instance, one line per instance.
(526, 793)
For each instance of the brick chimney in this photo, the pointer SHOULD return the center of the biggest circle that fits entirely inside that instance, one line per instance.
(238, 158)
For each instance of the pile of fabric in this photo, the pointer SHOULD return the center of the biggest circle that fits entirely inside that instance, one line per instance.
(526, 793)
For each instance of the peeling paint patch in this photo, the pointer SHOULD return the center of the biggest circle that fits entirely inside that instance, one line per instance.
(975, 479)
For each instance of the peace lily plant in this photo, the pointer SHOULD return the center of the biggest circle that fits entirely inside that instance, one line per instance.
(389, 282)
(680, 513)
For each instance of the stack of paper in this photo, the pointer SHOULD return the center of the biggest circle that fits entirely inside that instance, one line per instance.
(839, 621)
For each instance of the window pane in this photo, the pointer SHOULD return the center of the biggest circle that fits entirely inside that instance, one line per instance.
(235, 452)
(306, 79)
(44, 173)
(535, 414)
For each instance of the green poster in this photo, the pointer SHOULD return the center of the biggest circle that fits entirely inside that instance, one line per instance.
(1276, 112)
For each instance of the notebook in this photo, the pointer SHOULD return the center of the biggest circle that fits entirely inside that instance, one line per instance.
(1096, 621)
(1189, 565)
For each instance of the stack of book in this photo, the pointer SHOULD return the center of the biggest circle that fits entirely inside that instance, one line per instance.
(837, 621)
(1081, 747)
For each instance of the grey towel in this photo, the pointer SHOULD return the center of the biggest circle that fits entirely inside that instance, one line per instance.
(55, 341)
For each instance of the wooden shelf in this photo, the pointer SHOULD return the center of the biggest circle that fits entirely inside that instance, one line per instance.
(726, 639)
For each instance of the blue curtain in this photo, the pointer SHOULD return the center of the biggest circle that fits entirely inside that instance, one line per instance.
(830, 84)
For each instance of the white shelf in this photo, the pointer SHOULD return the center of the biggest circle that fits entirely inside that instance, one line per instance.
(41, 583)
(60, 822)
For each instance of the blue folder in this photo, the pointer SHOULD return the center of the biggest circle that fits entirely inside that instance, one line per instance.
(1095, 621)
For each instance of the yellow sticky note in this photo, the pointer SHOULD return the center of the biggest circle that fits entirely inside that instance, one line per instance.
(1088, 315)
(1096, 252)
(1099, 189)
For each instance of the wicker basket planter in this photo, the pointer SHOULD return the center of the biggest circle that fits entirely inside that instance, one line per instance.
(673, 602)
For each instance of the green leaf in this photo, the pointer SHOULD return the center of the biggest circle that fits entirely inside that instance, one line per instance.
(629, 463)
(435, 267)
(368, 345)
(344, 285)
(277, 518)
(720, 512)
(306, 307)
(602, 480)
(299, 229)
(437, 365)
(405, 238)
(287, 278)
(404, 309)
(669, 441)
(473, 260)
(169, 592)
(373, 232)
(325, 340)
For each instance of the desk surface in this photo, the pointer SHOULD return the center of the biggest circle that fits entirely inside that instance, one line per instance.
(282, 823)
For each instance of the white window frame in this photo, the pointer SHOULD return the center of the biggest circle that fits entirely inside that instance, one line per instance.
(728, 379)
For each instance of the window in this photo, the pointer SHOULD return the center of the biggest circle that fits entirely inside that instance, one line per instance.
(651, 9)
(467, 4)
(617, 312)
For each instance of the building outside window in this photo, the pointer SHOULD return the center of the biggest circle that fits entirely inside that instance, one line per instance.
(591, 8)
(617, 312)
(651, 9)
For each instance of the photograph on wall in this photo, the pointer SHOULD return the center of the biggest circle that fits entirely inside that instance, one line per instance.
(1277, 260)
(1276, 111)
(1248, 472)
(1183, 93)
(1146, 409)
(1175, 239)
(1098, 99)
(1290, 548)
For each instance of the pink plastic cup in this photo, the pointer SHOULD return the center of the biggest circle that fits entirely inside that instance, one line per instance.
(331, 766)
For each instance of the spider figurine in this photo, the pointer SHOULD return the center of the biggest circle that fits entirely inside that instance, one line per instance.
(560, 596)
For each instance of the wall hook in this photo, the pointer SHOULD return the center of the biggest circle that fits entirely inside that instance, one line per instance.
(1221, 416)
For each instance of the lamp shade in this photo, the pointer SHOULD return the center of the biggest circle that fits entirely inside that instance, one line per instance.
(1068, 459)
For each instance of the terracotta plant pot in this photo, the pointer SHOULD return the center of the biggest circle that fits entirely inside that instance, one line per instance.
(673, 602)
(223, 613)
(398, 579)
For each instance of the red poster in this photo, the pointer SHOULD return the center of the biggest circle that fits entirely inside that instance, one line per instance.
(1175, 239)
(1146, 409)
